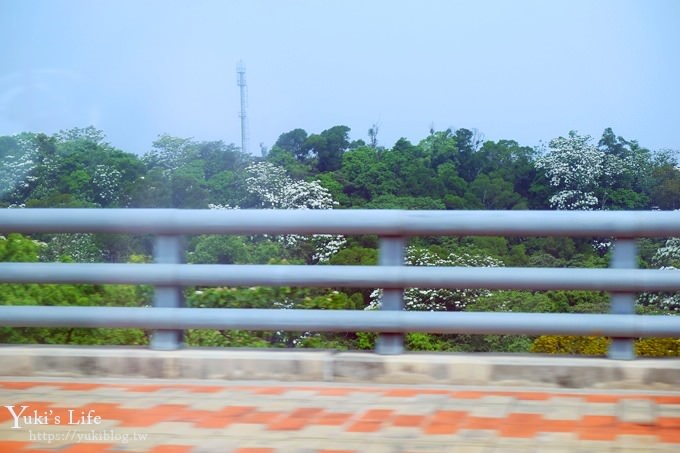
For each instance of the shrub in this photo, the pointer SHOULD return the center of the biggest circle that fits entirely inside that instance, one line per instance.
(597, 346)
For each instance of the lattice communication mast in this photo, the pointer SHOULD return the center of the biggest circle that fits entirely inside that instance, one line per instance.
(241, 82)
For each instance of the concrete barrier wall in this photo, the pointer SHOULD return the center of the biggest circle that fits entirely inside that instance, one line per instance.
(332, 366)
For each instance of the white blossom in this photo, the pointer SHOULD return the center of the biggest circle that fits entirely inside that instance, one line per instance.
(106, 179)
(272, 188)
(439, 299)
(665, 258)
(574, 200)
(601, 246)
(16, 167)
(221, 206)
(669, 254)
(575, 167)
(81, 247)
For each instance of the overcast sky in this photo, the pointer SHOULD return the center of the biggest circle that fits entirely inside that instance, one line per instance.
(523, 70)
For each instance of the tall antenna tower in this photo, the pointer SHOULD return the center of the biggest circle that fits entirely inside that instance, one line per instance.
(241, 82)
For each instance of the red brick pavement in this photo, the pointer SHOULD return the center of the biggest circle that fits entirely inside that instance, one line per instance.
(171, 417)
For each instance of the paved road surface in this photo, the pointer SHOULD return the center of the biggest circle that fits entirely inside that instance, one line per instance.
(160, 416)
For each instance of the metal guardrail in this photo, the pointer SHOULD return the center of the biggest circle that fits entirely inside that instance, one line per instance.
(169, 317)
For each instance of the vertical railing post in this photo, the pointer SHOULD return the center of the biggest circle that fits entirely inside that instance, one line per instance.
(168, 250)
(624, 256)
(391, 253)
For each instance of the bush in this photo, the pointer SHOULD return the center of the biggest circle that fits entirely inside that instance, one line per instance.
(597, 346)
(420, 341)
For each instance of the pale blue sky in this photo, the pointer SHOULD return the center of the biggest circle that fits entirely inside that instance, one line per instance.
(523, 70)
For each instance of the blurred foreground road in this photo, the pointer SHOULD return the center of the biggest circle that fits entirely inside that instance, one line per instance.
(162, 416)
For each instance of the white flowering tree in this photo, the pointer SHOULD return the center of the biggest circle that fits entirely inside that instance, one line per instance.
(667, 258)
(170, 153)
(18, 155)
(439, 299)
(106, 181)
(76, 247)
(270, 187)
(577, 170)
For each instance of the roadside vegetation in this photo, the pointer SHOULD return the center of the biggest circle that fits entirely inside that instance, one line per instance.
(447, 170)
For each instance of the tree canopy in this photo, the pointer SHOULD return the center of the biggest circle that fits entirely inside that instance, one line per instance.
(449, 169)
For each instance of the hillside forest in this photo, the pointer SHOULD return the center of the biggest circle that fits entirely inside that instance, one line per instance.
(446, 170)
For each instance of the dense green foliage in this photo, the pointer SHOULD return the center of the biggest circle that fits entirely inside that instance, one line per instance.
(18, 248)
(445, 170)
(597, 346)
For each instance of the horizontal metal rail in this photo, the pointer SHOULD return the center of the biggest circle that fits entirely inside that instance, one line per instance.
(614, 280)
(169, 277)
(343, 321)
(626, 224)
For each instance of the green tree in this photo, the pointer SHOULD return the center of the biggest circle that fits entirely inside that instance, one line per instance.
(328, 147)
(666, 191)
(215, 249)
(19, 248)
(287, 160)
(365, 175)
(294, 143)
(442, 147)
(493, 192)
(184, 173)
(610, 143)
(266, 297)
(77, 168)
(412, 169)
(511, 162)
(468, 142)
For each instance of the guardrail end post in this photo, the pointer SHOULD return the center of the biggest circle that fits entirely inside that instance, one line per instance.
(168, 249)
(391, 253)
(621, 349)
(624, 256)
